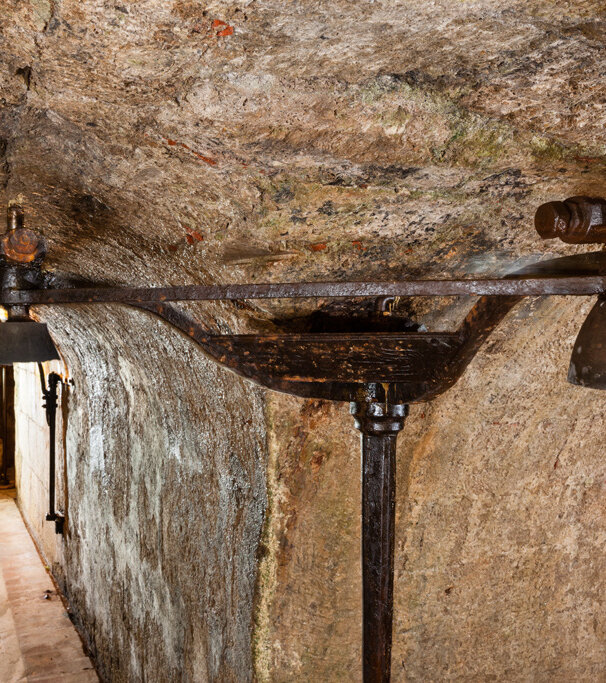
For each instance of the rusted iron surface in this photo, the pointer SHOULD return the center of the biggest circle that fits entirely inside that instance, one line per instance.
(248, 355)
(577, 220)
(20, 245)
(580, 285)
(379, 357)
(579, 275)
(14, 217)
(379, 424)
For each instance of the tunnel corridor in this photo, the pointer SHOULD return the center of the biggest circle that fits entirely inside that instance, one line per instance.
(38, 642)
(212, 524)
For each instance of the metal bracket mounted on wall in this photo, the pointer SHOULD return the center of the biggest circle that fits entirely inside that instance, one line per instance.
(379, 369)
(50, 394)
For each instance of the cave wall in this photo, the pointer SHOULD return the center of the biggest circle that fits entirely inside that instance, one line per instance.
(164, 500)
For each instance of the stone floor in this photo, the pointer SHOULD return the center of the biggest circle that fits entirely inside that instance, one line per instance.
(38, 642)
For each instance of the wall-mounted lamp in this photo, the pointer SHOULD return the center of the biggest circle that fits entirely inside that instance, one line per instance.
(50, 395)
(379, 369)
(24, 341)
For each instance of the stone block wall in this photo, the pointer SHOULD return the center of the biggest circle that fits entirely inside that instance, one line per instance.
(32, 459)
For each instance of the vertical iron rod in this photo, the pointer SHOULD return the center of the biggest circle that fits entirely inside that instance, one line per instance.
(50, 405)
(51, 465)
(379, 424)
(4, 473)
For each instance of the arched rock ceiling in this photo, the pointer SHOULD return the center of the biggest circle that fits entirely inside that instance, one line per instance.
(343, 140)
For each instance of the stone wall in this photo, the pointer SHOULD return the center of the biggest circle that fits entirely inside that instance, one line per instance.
(32, 459)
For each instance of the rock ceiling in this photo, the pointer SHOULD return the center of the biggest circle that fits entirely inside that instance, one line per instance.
(175, 141)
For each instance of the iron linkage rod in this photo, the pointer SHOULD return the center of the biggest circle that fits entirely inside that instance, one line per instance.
(579, 285)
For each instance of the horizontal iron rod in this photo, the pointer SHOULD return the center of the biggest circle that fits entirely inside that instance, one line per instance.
(580, 285)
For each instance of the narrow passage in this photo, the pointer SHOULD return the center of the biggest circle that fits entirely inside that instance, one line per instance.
(38, 642)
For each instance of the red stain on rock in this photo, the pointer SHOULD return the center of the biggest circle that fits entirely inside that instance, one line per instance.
(320, 246)
(194, 235)
(190, 239)
(205, 159)
(227, 31)
(358, 245)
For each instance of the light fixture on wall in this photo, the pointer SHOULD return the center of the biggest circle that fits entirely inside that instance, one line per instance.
(50, 395)
(374, 362)
(24, 341)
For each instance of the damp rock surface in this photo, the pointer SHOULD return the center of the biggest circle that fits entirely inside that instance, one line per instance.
(162, 469)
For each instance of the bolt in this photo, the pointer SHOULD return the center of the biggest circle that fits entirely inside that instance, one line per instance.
(576, 220)
(14, 217)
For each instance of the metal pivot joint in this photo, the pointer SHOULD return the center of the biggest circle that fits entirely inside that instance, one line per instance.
(50, 394)
(379, 424)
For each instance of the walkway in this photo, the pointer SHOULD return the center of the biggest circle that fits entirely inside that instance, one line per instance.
(37, 640)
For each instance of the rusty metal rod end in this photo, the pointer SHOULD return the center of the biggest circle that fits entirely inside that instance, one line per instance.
(552, 219)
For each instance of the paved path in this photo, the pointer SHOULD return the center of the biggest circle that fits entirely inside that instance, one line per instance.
(38, 642)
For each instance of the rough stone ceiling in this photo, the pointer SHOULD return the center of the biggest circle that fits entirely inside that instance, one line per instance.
(342, 140)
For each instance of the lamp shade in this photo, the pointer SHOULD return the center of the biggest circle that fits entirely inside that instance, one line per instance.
(26, 342)
(588, 361)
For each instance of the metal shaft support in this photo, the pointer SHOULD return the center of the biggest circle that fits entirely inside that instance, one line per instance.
(50, 405)
(379, 424)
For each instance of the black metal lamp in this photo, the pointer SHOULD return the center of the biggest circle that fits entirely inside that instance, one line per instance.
(23, 340)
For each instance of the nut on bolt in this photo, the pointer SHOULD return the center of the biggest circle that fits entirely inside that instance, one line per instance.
(577, 220)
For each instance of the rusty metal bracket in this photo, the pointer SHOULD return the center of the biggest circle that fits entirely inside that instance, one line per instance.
(379, 371)
(577, 220)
